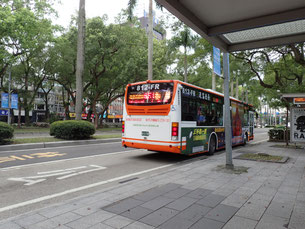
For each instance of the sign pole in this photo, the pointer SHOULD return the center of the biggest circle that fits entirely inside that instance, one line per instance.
(9, 97)
(227, 111)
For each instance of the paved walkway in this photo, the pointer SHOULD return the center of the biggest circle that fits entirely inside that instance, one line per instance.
(191, 195)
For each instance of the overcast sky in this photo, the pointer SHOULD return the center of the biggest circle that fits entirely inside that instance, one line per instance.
(96, 8)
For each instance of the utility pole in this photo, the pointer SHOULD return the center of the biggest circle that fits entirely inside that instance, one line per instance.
(150, 41)
(80, 59)
(9, 97)
(213, 80)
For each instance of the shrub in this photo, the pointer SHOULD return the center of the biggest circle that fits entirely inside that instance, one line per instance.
(72, 129)
(6, 131)
(278, 134)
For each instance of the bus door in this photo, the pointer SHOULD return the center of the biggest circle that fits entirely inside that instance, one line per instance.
(251, 124)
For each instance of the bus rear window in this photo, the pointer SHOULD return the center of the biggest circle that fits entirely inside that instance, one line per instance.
(150, 94)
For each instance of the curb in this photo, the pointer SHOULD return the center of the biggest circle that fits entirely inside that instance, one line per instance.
(56, 144)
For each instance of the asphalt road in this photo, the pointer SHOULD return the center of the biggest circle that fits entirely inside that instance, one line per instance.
(32, 179)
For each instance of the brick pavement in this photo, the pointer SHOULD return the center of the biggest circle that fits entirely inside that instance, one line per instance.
(190, 195)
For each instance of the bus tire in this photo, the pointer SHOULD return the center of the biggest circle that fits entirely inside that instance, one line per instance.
(212, 145)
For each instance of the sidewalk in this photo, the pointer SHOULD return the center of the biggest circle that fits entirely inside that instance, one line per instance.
(191, 195)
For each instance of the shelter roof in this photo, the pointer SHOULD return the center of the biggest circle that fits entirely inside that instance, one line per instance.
(242, 24)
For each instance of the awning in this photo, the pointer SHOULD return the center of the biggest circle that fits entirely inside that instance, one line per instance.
(242, 24)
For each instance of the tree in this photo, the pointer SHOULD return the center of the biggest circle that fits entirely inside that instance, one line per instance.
(115, 57)
(130, 9)
(18, 21)
(278, 70)
(24, 46)
(80, 59)
(183, 37)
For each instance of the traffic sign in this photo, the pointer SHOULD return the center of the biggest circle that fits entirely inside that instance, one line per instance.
(216, 61)
(3, 112)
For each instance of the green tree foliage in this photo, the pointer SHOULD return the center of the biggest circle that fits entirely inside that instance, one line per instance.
(23, 25)
(278, 70)
(115, 56)
(183, 38)
(25, 34)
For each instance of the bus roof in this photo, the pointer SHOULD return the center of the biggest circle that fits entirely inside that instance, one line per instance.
(188, 84)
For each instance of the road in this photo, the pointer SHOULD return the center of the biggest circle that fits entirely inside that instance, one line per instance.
(32, 179)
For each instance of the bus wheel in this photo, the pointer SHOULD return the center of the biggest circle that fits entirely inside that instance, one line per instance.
(212, 145)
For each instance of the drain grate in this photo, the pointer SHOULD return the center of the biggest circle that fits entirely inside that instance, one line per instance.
(131, 179)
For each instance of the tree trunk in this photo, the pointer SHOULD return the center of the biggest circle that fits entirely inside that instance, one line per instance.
(213, 80)
(80, 62)
(185, 65)
(27, 115)
(237, 89)
(19, 112)
(232, 88)
(150, 41)
(66, 105)
(95, 114)
(47, 108)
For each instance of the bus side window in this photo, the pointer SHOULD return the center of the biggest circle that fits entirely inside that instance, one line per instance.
(189, 109)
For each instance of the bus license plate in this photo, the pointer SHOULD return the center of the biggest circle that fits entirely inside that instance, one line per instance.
(145, 133)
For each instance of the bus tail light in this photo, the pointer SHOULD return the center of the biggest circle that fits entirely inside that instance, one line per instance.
(123, 127)
(175, 130)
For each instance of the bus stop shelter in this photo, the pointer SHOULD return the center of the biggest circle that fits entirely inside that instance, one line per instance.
(241, 25)
(296, 105)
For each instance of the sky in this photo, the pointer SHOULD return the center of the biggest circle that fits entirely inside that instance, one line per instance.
(95, 8)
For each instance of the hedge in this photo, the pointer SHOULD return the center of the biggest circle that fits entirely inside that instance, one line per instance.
(6, 131)
(72, 129)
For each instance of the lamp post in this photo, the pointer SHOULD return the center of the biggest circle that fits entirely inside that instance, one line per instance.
(9, 98)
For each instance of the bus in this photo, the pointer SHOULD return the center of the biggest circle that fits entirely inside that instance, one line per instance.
(178, 117)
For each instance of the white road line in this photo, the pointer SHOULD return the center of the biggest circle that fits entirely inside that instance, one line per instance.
(82, 172)
(70, 159)
(253, 143)
(43, 198)
(56, 171)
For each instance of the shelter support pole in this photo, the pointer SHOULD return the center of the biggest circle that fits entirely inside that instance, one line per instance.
(227, 111)
(286, 132)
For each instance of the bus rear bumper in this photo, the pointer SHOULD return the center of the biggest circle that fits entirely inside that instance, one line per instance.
(153, 147)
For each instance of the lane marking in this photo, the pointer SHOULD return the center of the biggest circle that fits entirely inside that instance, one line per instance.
(97, 168)
(27, 156)
(31, 156)
(43, 198)
(71, 172)
(253, 143)
(69, 159)
(17, 158)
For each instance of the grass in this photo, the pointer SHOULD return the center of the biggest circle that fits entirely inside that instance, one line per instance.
(35, 140)
(107, 136)
(260, 157)
(32, 129)
(289, 146)
(52, 139)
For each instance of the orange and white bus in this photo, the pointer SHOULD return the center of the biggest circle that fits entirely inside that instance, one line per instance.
(173, 116)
